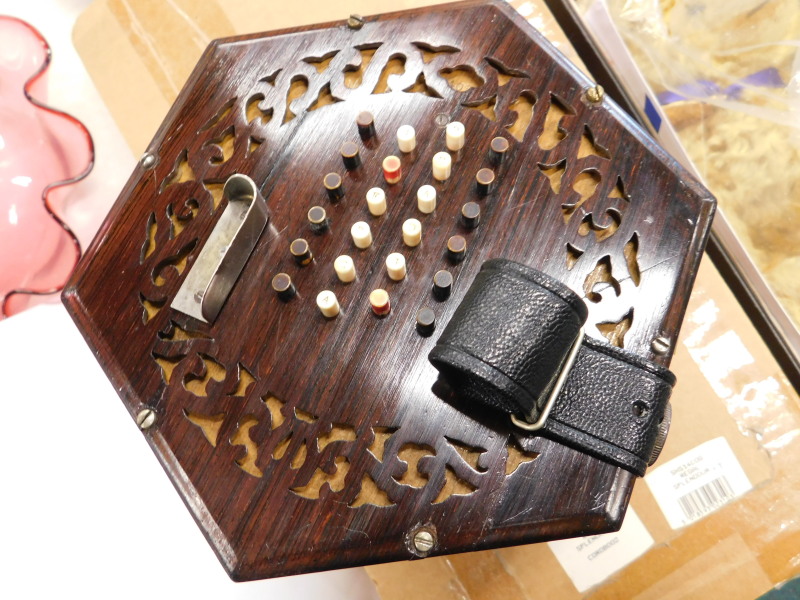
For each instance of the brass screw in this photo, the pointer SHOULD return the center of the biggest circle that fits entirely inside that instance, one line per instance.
(595, 94)
(660, 346)
(424, 541)
(146, 418)
(355, 22)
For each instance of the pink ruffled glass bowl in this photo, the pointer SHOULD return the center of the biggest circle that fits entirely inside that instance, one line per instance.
(42, 152)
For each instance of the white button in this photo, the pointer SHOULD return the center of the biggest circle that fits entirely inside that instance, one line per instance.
(376, 201)
(412, 232)
(327, 303)
(441, 164)
(362, 236)
(426, 199)
(454, 134)
(406, 138)
(345, 269)
(396, 266)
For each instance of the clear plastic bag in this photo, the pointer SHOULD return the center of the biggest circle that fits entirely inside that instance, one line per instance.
(728, 76)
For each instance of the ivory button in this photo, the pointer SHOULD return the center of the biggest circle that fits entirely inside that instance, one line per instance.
(454, 136)
(406, 138)
(396, 266)
(426, 199)
(345, 269)
(441, 165)
(362, 235)
(412, 233)
(328, 304)
(376, 201)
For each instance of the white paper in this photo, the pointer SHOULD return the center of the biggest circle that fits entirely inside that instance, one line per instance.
(698, 482)
(590, 560)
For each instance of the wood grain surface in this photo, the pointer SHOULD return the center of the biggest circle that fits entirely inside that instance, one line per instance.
(301, 443)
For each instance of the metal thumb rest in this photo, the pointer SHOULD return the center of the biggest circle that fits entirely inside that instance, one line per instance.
(220, 262)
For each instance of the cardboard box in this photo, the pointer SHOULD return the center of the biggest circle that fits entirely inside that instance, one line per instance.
(729, 387)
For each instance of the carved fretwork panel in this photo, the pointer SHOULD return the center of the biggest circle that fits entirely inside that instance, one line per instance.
(302, 443)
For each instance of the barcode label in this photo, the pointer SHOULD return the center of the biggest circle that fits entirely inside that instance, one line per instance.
(698, 482)
(704, 500)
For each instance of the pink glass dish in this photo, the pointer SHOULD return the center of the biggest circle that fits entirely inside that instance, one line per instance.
(42, 152)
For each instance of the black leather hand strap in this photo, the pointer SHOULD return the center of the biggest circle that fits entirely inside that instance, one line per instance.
(510, 339)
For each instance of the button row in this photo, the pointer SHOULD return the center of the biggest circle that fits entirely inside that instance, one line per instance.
(395, 263)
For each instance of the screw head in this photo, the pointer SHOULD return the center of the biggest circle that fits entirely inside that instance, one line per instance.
(355, 22)
(423, 540)
(148, 161)
(595, 94)
(146, 418)
(660, 346)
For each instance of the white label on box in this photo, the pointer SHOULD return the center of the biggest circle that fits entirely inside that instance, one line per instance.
(590, 560)
(698, 482)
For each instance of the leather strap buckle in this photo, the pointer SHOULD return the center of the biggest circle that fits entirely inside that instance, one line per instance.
(526, 424)
(516, 343)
